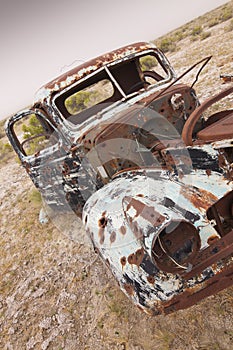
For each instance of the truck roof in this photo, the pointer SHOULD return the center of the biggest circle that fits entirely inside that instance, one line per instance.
(66, 79)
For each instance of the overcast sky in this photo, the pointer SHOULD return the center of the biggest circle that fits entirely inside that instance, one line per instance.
(41, 39)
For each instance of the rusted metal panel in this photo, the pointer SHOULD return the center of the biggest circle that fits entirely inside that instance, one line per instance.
(220, 130)
(157, 207)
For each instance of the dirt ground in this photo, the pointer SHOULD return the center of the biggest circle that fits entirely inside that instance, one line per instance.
(55, 292)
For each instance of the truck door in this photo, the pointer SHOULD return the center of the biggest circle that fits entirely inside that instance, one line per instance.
(41, 149)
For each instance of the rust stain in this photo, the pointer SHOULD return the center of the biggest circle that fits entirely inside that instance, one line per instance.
(102, 222)
(101, 235)
(122, 230)
(151, 279)
(138, 233)
(113, 237)
(123, 261)
(136, 258)
(147, 212)
(221, 160)
(212, 239)
(129, 289)
(200, 198)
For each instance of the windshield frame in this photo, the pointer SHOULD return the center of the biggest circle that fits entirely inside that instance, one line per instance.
(162, 61)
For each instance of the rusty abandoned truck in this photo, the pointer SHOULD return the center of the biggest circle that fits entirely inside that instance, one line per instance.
(125, 145)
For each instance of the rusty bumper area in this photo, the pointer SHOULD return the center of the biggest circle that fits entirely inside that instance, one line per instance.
(218, 256)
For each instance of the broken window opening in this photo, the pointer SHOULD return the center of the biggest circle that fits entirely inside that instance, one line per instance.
(33, 134)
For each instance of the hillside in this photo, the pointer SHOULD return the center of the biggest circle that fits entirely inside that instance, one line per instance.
(55, 293)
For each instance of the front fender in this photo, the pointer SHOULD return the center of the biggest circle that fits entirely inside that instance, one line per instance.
(126, 221)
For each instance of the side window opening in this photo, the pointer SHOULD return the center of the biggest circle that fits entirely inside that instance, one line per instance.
(33, 134)
(89, 96)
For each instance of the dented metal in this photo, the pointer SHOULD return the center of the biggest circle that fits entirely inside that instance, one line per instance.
(149, 173)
